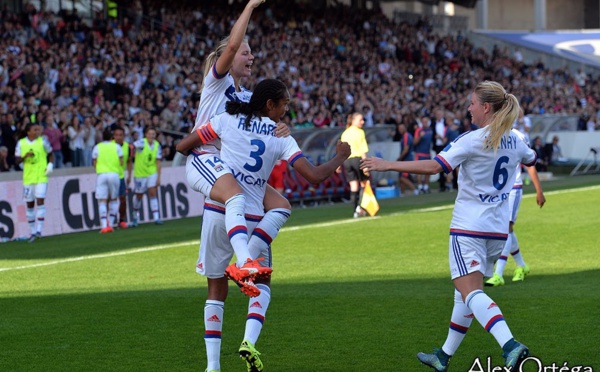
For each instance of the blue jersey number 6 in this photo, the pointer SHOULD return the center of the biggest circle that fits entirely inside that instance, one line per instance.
(500, 172)
(260, 149)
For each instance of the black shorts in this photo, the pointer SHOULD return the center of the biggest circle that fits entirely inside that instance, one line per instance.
(353, 171)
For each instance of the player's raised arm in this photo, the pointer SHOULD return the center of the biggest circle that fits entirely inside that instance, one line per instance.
(236, 36)
(318, 174)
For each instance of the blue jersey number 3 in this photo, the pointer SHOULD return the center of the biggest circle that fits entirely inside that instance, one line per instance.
(258, 162)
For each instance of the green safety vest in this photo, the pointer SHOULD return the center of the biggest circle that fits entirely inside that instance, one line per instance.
(125, 149)
(144, 164)
(34, 167)
(108, 158)
(111, 8)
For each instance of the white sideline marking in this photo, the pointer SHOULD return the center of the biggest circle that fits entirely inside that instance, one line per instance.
(295, 228)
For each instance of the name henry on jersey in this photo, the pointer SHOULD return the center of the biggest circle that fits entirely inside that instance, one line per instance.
(249, 179)
(508, 142)
(257, 127)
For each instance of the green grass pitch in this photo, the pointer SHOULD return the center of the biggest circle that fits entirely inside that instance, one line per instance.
(347, 295)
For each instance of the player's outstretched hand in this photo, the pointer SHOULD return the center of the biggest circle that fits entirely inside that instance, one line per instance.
(255, 3)
(342, 149)
(372, 164)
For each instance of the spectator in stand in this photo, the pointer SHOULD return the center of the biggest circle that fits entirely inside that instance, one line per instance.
(423, 141)
(440, 126)
(554, 152)
(406, 154)
(76, 141)
(4, 166)
(56, 139)
(542, 159)
(90, 137)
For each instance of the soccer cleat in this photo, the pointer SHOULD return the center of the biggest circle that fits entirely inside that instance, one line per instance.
(494, 281)
(134, 222)
(250, 269)
(158, 222)
(433, 361)
(122, 225)
(106, 230)
(32, 238)
(212, 370)
(520, 273)
(248, 287)
(250, 355)
(515, 357)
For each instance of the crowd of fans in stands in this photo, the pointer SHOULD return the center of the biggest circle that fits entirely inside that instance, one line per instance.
(76, 77)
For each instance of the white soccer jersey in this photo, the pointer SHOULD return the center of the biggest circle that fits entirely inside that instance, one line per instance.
(518, 178)
(217, 91)
(485, 180)
(250, 153)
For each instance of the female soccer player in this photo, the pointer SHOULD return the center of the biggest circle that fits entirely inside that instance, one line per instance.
(224, 69)
(251, 148)
(35, 152)
(146, 174)
(488, 158)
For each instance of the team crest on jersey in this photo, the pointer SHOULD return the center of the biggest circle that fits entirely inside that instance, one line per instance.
(218, 168)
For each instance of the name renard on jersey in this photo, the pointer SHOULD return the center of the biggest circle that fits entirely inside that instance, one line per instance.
(257, 126)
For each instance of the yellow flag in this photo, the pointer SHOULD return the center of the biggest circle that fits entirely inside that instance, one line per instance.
(368, 201)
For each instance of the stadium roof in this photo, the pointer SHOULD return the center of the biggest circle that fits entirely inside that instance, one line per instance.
(465, 3)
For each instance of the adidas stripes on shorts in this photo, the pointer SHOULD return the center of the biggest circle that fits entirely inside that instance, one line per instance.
(203, 170)
(468, 255)
(216, 251)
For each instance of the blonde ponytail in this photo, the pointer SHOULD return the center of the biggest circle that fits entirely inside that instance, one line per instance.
(505, 108)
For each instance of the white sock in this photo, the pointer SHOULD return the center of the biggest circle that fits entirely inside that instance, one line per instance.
(257, 308)
(460, 322)
(488, 314)
(103, 212)
(113, 211)
(515, 251)
(40, 217)
(213, 326)
(267, 229)
(426, 187)
(237, 230)
(30, 214)
(501, 263)
(137, 204)
(154, 208)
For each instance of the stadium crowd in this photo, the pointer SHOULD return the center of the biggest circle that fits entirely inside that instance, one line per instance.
(144, 67)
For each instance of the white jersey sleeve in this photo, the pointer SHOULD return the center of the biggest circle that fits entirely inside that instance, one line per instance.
(95, 152)
(47, 145)
(18, 150)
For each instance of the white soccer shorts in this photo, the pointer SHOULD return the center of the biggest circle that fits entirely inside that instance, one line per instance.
(216, 252)
(202, 171)
(34, 191)
(107, 186)
(514, 202)
(142, 184)
(468, 255)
